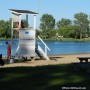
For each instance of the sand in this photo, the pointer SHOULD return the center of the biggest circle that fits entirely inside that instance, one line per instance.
(55, 59)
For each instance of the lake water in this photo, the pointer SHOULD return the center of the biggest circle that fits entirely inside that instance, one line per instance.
(56, 47)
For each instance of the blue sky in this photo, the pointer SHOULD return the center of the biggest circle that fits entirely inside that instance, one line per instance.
(57, 8)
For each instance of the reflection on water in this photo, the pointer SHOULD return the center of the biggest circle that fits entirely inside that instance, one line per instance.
(57, 47)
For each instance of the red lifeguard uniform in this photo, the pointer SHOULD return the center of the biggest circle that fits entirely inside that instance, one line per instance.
(8, 49)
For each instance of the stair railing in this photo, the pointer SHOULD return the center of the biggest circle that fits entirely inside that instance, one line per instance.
(46, 47)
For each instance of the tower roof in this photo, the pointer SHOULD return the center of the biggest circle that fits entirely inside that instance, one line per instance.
(23, 11)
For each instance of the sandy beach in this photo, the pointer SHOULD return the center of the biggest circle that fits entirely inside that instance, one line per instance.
(55, 59)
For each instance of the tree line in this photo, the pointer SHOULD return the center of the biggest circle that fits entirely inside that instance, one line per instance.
(77, 28)
(50, 29)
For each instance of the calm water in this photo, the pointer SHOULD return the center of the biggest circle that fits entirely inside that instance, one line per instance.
(57, 47)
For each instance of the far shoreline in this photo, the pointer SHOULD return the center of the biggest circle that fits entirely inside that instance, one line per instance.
(57, 39)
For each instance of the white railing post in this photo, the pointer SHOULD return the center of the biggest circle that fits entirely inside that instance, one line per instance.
(45, 50)
(34, 22)
(11, 34)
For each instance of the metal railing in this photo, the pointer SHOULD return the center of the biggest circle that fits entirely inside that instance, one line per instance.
(46, 47)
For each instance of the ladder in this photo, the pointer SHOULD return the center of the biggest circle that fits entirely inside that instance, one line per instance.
(40, 52)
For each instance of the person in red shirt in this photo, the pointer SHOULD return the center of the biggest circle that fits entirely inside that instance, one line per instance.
(8, 50)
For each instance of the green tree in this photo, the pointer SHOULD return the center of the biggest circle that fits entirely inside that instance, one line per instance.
(66, 31)
(65, 28)
(81, 24)
(2, 26)
(5, 27)
(1, 32)
(47, 24)
(64, 22)
(8, 28)
(24, 23)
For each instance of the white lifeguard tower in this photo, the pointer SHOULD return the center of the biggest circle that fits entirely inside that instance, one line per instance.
(27, 46)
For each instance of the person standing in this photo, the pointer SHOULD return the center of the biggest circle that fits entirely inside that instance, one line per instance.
(8, 50)
(19, 26)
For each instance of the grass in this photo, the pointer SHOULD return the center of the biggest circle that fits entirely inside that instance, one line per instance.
(51, 77)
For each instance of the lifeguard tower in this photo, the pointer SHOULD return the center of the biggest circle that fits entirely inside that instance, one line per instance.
(27, 46)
